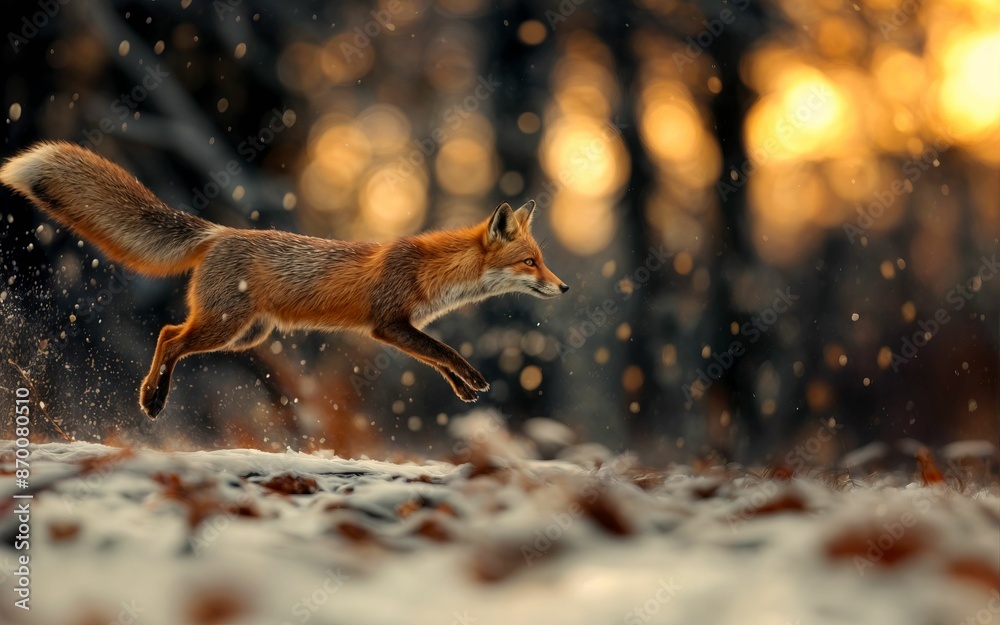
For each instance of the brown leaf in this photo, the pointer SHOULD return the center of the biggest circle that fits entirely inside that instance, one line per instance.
(929, 471)
(434, 530)
(354, 532)
(291, 484)
(977, 572)
(706, 491)
(215, 607)
(877, 546)
(201, 499)
(445, 509)
(606, 511)
(788, 501)
(60, 531)
(780, 473)
(646, 479)
(407, 508)
(493, 562)
(99, 463)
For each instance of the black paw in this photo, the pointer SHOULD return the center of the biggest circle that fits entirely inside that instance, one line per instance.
(152, 402)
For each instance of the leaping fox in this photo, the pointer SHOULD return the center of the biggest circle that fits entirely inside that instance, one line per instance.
(244, 283)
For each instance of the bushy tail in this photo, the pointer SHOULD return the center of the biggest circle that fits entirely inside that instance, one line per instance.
(109, 207)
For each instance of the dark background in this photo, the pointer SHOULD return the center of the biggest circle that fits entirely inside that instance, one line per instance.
(845, 155)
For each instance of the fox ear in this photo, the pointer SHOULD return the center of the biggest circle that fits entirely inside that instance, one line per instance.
(503, 225)
(525, 214)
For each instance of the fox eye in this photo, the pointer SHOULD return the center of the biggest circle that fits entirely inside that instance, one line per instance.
(529, 262)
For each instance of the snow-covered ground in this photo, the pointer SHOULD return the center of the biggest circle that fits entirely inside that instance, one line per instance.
(241, 536)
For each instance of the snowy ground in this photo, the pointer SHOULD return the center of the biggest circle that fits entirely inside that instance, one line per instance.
(240, 536)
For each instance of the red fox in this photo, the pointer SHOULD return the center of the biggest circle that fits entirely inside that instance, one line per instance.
(244, 283)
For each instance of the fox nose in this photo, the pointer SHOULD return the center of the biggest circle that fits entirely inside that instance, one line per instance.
(563, 287)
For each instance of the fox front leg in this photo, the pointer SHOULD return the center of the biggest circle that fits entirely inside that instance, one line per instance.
(464, 378)
(464, 392)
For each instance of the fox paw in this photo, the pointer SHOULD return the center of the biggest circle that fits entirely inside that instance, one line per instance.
(152, 401)
(464, 392)
(475, 380)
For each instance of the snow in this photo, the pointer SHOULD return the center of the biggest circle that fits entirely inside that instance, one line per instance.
(196, 537)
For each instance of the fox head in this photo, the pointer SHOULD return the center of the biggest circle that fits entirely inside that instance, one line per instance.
(513, 259)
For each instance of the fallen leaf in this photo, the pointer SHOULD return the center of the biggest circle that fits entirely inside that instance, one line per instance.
(291, 484)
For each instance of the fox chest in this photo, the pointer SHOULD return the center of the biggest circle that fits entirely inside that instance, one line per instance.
(447, 300)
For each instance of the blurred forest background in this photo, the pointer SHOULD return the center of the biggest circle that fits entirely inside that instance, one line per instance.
(778, 218)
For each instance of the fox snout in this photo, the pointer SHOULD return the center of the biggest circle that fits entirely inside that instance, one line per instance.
(550, 285)
(554, 285)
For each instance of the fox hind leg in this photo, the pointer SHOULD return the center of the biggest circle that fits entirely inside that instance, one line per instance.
(200, 333)
(150, 404)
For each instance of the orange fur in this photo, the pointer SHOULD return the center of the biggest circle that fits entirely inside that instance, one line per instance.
(246, 282)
